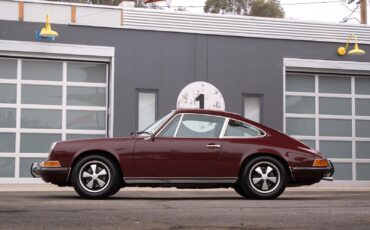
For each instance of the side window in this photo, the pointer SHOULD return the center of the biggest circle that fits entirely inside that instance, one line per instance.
(170, 129)
(240, 129)
(200, 126)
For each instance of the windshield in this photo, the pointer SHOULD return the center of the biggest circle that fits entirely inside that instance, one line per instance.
(153, 127)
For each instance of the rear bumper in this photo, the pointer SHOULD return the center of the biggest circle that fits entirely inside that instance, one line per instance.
(58, 176)
(315, 173)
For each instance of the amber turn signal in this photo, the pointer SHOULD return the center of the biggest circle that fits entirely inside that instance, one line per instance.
(50, 164)
(321, 163)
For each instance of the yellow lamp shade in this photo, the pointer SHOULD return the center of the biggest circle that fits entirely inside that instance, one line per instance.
(341, 51)
(47, 32)
(356, 51)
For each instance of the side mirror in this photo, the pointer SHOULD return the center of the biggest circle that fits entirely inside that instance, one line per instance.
(149, 138)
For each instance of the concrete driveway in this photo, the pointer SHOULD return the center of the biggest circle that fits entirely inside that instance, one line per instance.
(184, 209)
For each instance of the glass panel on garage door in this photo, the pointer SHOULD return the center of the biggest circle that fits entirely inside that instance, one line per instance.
(43, 101)
(331, 112)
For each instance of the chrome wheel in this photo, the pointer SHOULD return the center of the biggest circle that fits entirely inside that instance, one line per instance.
(264, 177)
(94, 176)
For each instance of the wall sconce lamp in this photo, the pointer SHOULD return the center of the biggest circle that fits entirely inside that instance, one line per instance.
(355, 51)
(47, 32)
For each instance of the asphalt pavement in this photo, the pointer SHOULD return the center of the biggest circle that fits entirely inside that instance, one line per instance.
(184, 209)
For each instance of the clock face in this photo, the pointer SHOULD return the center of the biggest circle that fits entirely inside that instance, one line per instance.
(202, 95)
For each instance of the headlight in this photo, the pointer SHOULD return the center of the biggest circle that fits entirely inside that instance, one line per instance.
(52, 146)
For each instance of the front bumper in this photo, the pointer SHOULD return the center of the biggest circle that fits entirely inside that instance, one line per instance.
(54, 175)
(319, 173)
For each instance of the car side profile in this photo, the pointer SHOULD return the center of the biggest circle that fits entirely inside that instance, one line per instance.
(188, 148)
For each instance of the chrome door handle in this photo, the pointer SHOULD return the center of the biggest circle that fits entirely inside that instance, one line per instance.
(213, 146)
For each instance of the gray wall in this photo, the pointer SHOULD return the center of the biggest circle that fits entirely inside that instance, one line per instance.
(169, 61)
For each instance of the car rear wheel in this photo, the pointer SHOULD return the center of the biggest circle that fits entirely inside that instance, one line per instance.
(238, 189)
(95, 177)
(264, 178)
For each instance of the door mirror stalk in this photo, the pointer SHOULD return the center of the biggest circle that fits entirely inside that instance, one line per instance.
(149, 138)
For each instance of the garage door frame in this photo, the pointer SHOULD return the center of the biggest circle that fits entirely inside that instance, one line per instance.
(324, 66)
(64, 52)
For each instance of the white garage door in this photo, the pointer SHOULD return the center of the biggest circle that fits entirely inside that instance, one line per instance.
(332, 114)
(43, 101)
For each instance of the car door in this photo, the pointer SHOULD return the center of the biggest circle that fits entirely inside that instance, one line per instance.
(187, 148)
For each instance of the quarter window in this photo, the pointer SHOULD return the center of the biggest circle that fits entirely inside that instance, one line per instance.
(200, 126)
(170, 129)
(240, 129)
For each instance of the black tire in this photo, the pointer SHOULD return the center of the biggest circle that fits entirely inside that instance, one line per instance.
(115, 191)
(264, 178)
(238, 189)
(95, 177)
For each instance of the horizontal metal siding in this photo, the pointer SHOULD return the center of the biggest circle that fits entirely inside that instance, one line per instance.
(184, 22)
(144, 19)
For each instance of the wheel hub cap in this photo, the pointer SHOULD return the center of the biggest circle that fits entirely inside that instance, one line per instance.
(94, 176)
(264, 177)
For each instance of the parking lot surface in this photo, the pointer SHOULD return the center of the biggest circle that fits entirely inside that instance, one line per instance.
(185, 209)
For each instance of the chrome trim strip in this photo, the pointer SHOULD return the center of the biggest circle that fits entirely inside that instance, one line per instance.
(224, 127)
(182, 115)
(223, 130)
(328, 178)
(178, 125)
(36, 169)
(180, 180)
(213, 146)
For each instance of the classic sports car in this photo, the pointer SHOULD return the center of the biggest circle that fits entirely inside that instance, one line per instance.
(188, 148)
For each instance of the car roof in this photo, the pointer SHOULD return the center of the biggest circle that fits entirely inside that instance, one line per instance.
(211, 112)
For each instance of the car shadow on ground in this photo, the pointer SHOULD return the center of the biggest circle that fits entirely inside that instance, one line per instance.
(184, 198)
(201, 195)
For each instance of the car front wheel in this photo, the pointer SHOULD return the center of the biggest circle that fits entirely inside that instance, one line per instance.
(264, 178)
(95, 177)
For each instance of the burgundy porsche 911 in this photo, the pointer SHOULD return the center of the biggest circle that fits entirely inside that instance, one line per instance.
(188, 148)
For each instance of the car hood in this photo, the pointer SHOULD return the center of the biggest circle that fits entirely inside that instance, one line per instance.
(113, 145)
